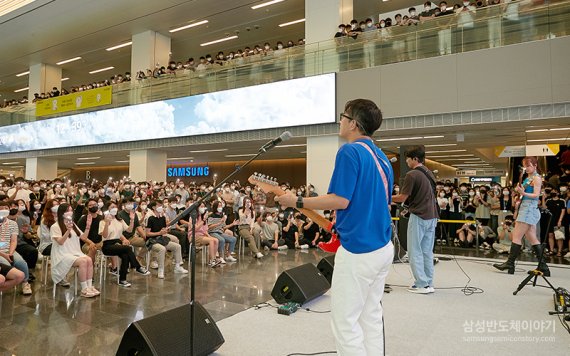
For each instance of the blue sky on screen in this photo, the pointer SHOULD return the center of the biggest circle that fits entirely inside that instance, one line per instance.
(303, 101)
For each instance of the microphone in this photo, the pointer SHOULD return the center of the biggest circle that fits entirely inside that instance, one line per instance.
(269, 145)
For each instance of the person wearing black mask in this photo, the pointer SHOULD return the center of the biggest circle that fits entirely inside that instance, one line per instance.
(93, 241)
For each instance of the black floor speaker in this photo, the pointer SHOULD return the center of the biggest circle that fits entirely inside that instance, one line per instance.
(300, 285)
(326, 266)
(168, 333)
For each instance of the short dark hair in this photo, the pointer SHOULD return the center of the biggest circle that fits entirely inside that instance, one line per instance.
(366, 113)
(418, 152)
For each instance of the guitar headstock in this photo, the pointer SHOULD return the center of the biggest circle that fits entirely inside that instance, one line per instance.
(265, 182)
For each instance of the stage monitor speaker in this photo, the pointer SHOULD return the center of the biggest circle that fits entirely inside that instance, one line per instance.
(168, 333)
(300, 285)
(326, 266)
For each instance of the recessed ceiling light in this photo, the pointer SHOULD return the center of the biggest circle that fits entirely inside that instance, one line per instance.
(22, 89)
(119, 46)
(452, 156)
(291, 23)
(220, 40)
(84, 163)
(64, 79)
(179, 158)
(212, 150)
(9, 163)
(408, 138)
(266, 4)
(101, 70)
(188, 26)
(285, 146)
(87, 158)
(125, 161)
(442, 145)
(22, 74)
(68, 61)
(553, 129)
(242, 155)
(548, 139)
(446, 151)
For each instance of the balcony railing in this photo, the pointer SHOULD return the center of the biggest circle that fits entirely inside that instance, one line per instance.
(488, 27)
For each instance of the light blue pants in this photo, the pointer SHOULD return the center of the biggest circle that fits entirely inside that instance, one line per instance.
(223, 239)
(421, 235)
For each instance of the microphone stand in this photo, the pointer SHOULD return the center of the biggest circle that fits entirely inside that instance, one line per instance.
(192, 209)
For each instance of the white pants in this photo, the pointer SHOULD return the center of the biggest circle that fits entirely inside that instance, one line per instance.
(357, 289)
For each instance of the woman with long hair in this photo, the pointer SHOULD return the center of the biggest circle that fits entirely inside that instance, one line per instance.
(66, 252)
(527, 217)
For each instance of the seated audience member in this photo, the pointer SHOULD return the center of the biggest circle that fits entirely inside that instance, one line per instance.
(504, 232)
(202, 236)
(311, 233)
(66, 252)
(92, 242)
(158, 242)
(246, 221)
(465, 235)
(27, 238)
(270, 233)
(115, 244)
(8, 242)
(216, 228)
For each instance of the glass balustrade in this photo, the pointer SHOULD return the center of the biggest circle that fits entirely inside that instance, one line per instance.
(488, 27)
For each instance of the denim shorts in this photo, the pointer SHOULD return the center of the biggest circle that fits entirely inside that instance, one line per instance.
(528, 212)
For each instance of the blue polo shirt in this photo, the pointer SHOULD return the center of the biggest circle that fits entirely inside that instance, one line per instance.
(365, 225)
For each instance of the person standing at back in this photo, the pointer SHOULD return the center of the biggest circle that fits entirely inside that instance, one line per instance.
(418, 191)
(359, 191)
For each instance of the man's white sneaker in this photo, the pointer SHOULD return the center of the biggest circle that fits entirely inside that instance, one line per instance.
(180, 269)
(231, 259)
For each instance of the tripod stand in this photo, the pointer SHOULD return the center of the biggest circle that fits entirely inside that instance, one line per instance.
(535, 273)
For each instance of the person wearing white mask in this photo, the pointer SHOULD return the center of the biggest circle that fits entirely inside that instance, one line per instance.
(66, 252)
(137, 236)
(26, 246)
(216, 228)
(115, 244)
(270, 234)
(176, 230)
(158, 242)
(18, 191)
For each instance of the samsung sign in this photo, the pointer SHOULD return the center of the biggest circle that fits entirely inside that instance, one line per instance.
(188, 171)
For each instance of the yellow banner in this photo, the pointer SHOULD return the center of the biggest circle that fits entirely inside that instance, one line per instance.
(75, 101)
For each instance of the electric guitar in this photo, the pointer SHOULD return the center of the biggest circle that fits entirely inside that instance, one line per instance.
(269, 184)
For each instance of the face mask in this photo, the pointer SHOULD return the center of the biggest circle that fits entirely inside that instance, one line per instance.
(93, 209)
(37, 206)
(129, 207)
(397, 190)
(21, 208)
(362, 27)
(160, 210)
(269, 219)
(36, 189)
(3, 214)
(427, 8)
(281, 216)
(471, 194)
(68, 215)
(412, 13)
(327, 216)
(466, 3)
(220, 209)
(173, 206)
(506, 192)
(382, 24)
(563, 189)
(13, 211)
(441, 195)
(369, 24)
(455, 195)
(113, 211)
(143, 207)
(299, 193)
(43, 186)
(202, 210)
(353, 26)
(280, 46)
(446, 189)
(54, 208)
(100, 204)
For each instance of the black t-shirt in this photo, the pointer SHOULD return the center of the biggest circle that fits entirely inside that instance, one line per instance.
(555, 206)
(311, 232)
(290, 235)
(123, 215)
(93, 231)
(156, 224)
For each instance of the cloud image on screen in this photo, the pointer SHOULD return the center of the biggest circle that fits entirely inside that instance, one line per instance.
(303, 101)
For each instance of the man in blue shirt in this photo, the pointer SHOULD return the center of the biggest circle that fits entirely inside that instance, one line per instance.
(360, 192)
